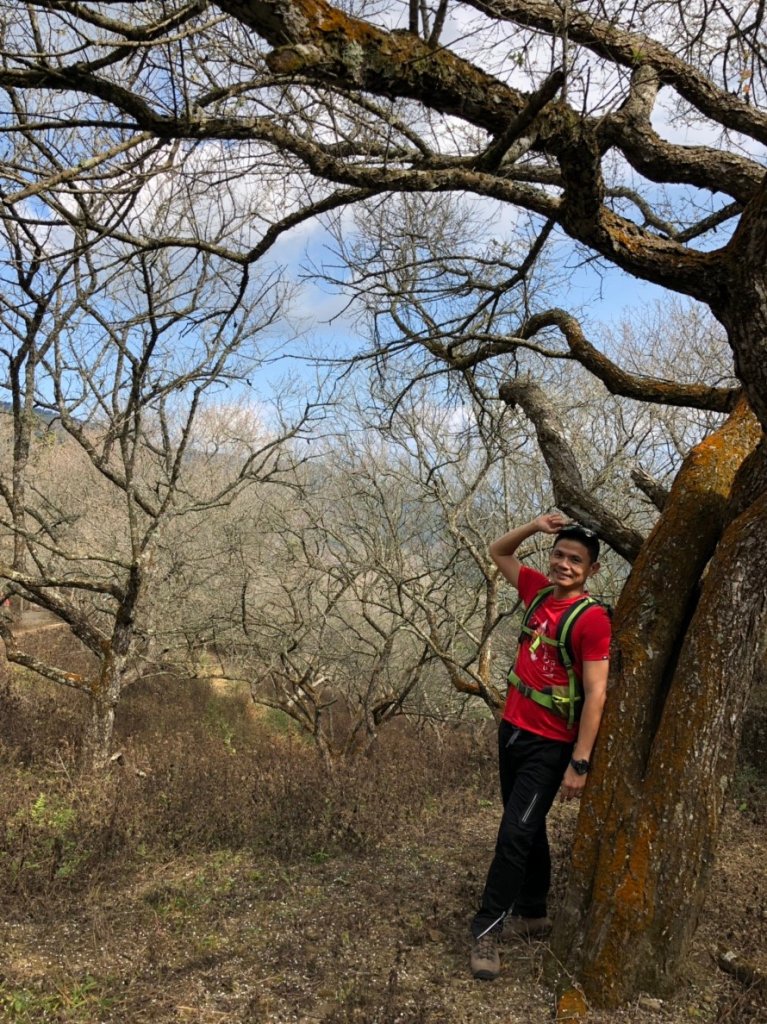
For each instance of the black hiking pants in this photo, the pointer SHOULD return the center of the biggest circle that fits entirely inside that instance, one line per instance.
(531, 770)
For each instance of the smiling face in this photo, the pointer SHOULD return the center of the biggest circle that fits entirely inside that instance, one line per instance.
(570, 566)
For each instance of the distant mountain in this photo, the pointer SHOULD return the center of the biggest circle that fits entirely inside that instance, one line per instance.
(43, 414)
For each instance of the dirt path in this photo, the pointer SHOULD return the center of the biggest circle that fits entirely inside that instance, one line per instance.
(35, 620)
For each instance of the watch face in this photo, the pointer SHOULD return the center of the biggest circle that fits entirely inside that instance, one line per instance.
(581, 767)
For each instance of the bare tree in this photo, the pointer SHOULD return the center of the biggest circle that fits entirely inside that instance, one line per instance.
(304, 625)
(426, 494)
(110, 354)
(361, 600)
(552, 110)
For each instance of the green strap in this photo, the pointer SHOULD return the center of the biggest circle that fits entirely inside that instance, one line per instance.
(550, 640)
(544, 699)
(563, 707)
(539, 598)
(566, 623)
(564, 626)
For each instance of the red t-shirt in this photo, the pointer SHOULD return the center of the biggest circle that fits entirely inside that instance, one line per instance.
(590, 638)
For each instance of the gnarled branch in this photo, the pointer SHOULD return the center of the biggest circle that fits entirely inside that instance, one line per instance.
(619, 382)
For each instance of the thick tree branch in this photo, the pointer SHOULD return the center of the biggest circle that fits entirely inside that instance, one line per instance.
(570, 491)
(618, 45)
(16, 656)
(647, 484)
(493, 156)
(325, 45)
(329, 46)
(628, 385)
(39, 586)
(741, 303)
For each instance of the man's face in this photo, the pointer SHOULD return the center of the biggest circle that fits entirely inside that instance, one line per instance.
(570, 565)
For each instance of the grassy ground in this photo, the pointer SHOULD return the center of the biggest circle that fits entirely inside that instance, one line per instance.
(215, 875)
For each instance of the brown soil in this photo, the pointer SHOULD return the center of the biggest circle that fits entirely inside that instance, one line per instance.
(379, 938)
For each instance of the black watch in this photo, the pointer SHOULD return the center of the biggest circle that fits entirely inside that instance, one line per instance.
(580, 767)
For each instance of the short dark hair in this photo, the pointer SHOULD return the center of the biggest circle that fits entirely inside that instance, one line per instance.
(589, 539)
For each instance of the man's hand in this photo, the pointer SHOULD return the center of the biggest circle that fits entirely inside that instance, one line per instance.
(503, 551)
(572, 785)
(550, 522)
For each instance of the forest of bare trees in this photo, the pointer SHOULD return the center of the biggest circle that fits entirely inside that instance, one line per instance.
(460, 165)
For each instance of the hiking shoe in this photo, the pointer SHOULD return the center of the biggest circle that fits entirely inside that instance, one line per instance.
(485, 962)
(526, 927)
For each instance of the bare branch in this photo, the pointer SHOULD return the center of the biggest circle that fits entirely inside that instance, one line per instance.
(655, 491)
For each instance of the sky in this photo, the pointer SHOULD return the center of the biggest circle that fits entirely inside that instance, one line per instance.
(599, 294)
(318, 321)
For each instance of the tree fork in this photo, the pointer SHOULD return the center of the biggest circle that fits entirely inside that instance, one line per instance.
(610, 908)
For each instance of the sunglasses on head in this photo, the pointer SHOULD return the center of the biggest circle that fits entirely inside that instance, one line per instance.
(574, 528)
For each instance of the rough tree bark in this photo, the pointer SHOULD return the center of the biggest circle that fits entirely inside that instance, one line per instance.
(682, 671)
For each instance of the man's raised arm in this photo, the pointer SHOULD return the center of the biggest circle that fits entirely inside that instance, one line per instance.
(503, 551)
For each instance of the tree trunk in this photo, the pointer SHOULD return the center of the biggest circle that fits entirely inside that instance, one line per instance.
(106, 690)
(742, 305)
(680, 678)
(97, 738)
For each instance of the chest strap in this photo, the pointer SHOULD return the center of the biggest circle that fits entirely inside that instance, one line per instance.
(561, 700)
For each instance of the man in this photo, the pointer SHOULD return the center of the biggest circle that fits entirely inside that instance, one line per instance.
(543, 746)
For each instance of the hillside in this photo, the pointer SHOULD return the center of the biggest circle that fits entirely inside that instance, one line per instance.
(216, 875)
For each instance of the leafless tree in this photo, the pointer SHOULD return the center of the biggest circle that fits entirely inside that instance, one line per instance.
(364, 598)
(550, 109)
(303, 623)
(110, 353)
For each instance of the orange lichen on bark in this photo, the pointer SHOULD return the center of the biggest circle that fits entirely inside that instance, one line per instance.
(697, 736)
(628, 865)
(405, 54)
(632, 240)
(623, 918)
(738, 435)
(572, 1006)
(633, 894)
(623, 901)
(612, 863)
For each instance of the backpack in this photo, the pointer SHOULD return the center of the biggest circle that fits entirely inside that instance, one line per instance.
(564, 701)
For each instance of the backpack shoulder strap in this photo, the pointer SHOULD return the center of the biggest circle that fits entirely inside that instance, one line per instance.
(536, 602)
(566, 623)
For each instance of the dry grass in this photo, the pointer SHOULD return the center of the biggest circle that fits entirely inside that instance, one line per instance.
(217, 874)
